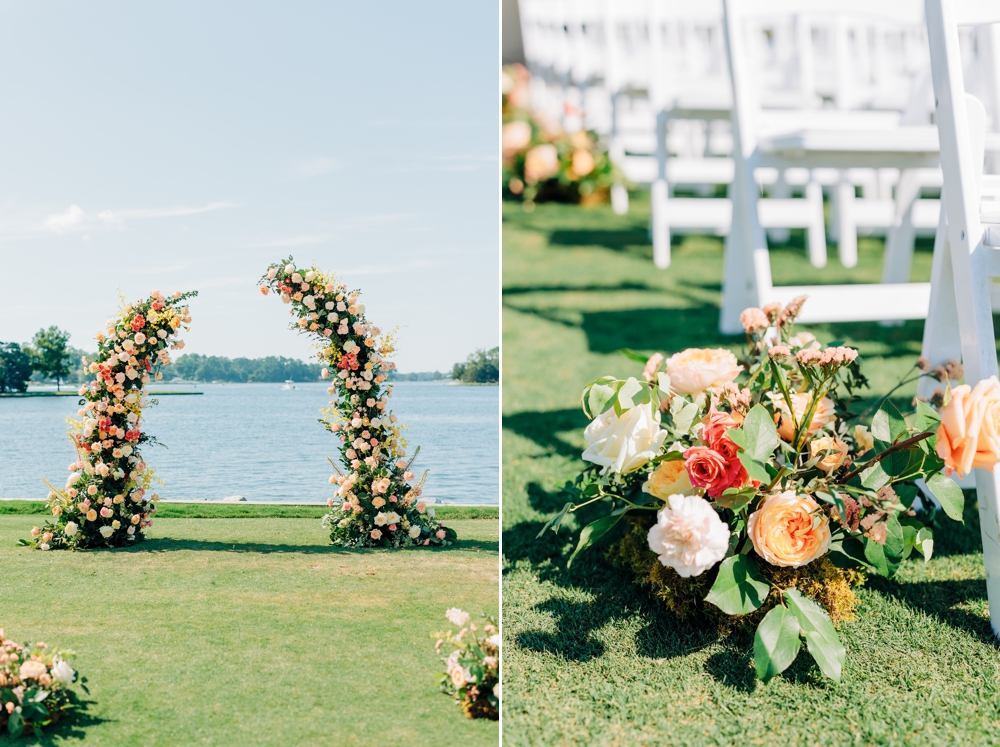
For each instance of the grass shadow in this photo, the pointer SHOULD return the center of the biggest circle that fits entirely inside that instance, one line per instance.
(169, 544)
(618, 240)
(941, 599)
(543, 428)
(70, 727)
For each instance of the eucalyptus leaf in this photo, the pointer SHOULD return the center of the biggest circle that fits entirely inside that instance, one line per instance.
(684, 417)
(761, 434)
(874, 477)
(631, 354)
(888, 424)
(755, 469)
(631, 394)
(554, 522)
(950, 496)
(821, 637)
(599, 396)
(736, 499)
(927, 418)
(739, 589)
(776, 643)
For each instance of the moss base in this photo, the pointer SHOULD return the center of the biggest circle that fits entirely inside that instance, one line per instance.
(821, 580)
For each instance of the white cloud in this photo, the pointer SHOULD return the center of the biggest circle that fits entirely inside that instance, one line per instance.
(76, 219)
(315, 167)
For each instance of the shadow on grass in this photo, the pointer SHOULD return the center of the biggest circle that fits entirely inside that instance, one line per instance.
(941, 599)
(168, 544)
(520, 290)
(543, 428)
(632, 238)
(71, 727)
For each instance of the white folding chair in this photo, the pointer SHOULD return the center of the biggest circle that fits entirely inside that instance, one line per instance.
(810, 139)
(967, 245)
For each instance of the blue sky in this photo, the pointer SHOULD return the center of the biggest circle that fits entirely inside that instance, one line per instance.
(186, 145)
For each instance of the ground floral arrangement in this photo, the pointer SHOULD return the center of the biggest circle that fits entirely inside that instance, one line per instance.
(541, 162)
(377, 505)
(472, 666)
(107, 500)
(753, 492)
(35, 686)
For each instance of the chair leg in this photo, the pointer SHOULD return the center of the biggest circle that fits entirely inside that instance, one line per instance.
(941, 338)
(816, 232)
(987, 491)
(900, 238)
(619, 198)
(745, 253)
(659, 198)
(780, 190)
(847, 230)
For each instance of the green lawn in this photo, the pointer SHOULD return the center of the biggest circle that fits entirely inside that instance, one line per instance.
(592, 659)
(252, 631)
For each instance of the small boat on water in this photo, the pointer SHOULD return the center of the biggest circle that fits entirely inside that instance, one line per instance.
(289, 384)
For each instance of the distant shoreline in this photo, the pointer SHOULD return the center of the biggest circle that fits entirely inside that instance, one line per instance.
(158, 393)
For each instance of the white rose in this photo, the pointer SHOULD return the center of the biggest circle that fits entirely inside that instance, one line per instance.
(126, 449)
(688, 535)
(622, 444)
(457, 617)
(71, 528)
(393, 518)
(62, 672)
(310, 276)
(289, 268)
(381, 519)
(494, 640)
(329, 306)
(106, 531)
(696, 369)
(272, 273)
(414, 531)
(140, 338)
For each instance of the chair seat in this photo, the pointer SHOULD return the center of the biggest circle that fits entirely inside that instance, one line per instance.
(902, 140)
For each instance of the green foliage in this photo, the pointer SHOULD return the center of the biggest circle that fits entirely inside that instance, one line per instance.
(481, 367)
(776, 643)
(50, 354)
(739, 588)
(195, 367)
(15, 368)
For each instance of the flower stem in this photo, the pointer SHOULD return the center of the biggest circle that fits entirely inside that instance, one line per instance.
(900, 446)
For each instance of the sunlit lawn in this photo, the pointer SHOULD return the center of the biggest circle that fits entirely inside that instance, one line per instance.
(252, 631)
(592, 659)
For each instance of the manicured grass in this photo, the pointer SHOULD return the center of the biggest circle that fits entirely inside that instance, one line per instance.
(252, 632)
(250, 511)
(591, 658)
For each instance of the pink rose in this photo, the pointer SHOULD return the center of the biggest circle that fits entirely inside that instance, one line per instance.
(440, 534)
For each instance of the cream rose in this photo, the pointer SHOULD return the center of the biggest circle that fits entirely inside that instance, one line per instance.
(782, 530)
(623, 444)
(62, 672)
(823, 415)
(669, 478)
(694, 370)
(832, 450)
(688, 535)
(515, 136)
(969, 435)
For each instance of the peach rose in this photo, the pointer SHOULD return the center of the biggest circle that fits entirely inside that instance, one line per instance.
(782, 530)
(652, 367)
(833, 451)
(713, 471)
(583, 162)
(515, 136)
(694, 370)
(969, 435)
(540, 163)
(823, 415)
(32, 669)
(669, 478)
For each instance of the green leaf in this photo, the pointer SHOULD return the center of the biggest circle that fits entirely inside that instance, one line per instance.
(894, 543)
(663, 383)
(14, 724)
(925, 542)
(848, 553)
(632, 393)
(594, 531)
(874, 477)
(948, 493)
(637, 357)
(754, 469)
(739, 588)
(554, 522)
(882, 563)
(683, 416)
(888, 423)
(599, 396)
(736, 499)
(761, 434)
(776, 643)
(822, 640)
(927, 418)
(34, 712)
(738, 437)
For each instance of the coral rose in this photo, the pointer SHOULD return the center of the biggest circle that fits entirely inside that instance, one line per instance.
(694, 370)
(969, 435)
(714, 433)
(688, 535)
(623, 444)
(669, 478)
(713, 471)
(782, 530)
(832, 450)
(823, 415)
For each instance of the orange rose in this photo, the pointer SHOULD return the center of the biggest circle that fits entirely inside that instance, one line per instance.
(832, 450)
(669, 478)
(969, 435)
(823, 415)
(782, 530)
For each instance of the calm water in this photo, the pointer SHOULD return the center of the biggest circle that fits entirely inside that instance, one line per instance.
(264, 443)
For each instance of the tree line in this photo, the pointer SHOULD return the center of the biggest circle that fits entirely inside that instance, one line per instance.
(49, 357)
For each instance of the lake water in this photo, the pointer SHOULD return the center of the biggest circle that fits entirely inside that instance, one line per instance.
(263, 442)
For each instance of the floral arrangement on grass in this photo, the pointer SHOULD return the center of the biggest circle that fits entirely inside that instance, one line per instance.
(377, 505)
(541, 162)
(107, 499)
(472, 667)
(756, 492)
(35, 684)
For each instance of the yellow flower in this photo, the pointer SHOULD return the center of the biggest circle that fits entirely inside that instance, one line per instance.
(834, 449)
(669, 478)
